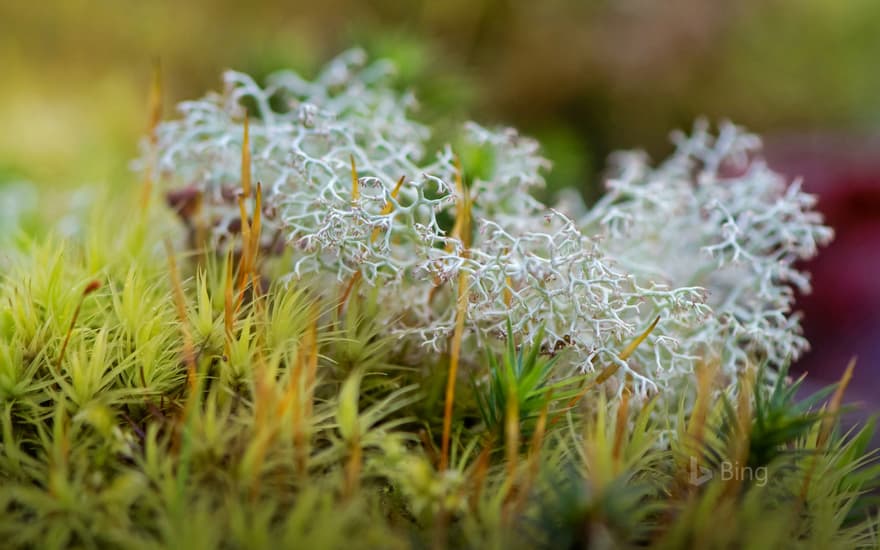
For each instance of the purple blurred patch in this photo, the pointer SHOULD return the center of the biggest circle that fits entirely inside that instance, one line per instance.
(842, 315)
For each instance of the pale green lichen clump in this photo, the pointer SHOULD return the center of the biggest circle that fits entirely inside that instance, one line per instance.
(707, 241)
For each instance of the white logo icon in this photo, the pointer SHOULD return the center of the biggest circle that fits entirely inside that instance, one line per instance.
(698, 474)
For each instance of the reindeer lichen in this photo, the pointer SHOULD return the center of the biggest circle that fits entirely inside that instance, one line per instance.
(707, 241)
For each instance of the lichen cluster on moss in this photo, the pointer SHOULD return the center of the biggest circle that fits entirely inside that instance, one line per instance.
(167, 385)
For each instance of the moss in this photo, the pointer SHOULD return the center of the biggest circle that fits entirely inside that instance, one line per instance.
(154, 394)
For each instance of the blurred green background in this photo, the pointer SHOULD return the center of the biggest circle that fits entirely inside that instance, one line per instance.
(586, 77)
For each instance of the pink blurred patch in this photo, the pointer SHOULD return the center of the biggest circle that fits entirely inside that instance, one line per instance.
(842, 315)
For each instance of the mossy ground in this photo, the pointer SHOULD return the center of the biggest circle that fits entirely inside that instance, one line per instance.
(157, 397)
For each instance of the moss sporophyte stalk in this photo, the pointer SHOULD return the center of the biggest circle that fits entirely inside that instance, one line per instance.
(339, 338)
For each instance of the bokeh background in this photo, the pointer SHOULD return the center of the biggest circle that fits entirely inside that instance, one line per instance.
(586, 77)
